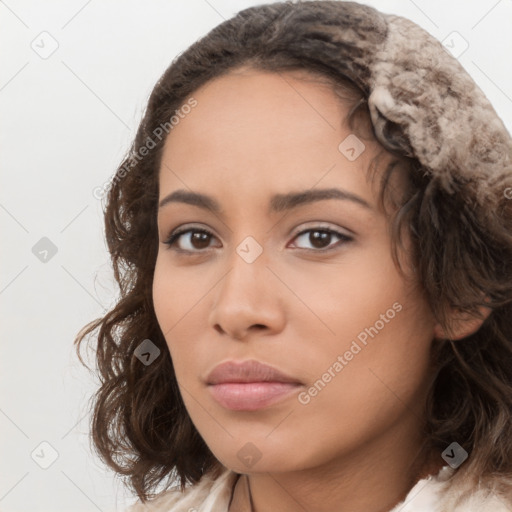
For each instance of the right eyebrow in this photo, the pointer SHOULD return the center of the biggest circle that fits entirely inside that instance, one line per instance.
(193, 198)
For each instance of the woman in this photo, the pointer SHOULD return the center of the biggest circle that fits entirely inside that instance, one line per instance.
(312, 235)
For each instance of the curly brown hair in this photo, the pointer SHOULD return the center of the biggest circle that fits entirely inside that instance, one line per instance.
(462, 253)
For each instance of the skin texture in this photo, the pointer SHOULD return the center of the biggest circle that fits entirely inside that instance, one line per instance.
(254, 134)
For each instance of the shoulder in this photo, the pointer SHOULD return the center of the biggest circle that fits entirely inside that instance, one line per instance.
(207, 495)
(440, 493)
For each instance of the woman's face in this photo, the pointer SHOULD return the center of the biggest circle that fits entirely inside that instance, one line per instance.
(288, 275)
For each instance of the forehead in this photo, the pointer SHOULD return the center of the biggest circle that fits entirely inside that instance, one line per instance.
(258, 130)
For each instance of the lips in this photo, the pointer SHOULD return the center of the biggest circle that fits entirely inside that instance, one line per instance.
(247, 371)
(249, 385)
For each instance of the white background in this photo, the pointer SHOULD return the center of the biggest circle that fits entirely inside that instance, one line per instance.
(66, 122)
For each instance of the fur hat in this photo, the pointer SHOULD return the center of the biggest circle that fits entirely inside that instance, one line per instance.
(414, 82)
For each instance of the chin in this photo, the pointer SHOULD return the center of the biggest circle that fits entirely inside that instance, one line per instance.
(261, 456)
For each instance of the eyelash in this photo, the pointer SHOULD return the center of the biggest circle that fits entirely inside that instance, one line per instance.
(173, 237)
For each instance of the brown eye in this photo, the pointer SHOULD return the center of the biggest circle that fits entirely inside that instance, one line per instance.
(321, 238)
(197, 240)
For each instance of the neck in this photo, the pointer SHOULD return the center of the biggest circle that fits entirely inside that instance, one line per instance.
(371, 479)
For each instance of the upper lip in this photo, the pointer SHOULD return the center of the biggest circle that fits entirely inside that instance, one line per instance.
(247, 371)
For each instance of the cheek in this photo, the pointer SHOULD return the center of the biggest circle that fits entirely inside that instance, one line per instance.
(170, 304)
(356, 390)
(164, 298)
(377, 352)
(176, 294)
(178, 298)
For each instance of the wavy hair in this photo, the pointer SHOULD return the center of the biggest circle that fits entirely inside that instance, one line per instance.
(462, 254)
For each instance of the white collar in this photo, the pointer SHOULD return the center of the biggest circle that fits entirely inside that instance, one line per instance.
(432, 494)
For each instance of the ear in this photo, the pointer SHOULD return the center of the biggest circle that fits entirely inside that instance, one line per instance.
(462, 324)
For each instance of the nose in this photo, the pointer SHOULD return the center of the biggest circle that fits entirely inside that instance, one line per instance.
(248, 299)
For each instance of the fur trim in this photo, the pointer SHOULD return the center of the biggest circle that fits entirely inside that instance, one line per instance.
(452, 127)
(432, 494)
(439, 494)
(208, 495)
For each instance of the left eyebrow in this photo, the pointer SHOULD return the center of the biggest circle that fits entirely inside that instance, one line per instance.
(281, 202)
(278, 202)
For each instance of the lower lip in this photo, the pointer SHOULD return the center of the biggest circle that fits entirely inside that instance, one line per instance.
(250, 396)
